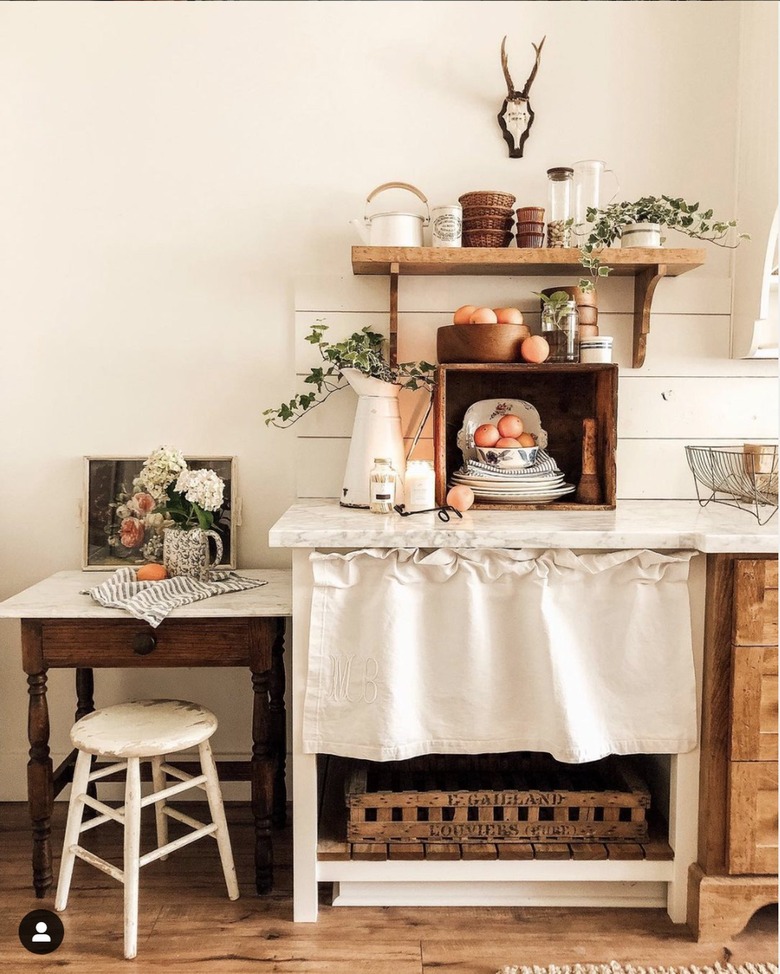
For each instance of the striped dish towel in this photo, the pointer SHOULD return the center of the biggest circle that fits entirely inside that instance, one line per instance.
(152, 601)
(543, 463)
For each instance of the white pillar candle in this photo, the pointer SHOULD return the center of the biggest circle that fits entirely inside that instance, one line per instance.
(420, 486)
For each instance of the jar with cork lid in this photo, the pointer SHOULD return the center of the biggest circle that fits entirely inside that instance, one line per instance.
(382, 486)
(559, 206)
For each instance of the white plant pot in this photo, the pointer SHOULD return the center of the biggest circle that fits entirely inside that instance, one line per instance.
(641, 235)
(376, 433)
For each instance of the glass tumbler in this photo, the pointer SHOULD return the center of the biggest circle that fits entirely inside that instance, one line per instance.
(561, 329)
(559, 206)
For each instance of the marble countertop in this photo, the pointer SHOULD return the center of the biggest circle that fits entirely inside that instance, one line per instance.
(62, 596)
(634, 524)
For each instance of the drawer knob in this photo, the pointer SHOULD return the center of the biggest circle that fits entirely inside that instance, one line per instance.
(143, 643)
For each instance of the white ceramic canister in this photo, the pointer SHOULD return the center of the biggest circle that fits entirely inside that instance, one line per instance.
(447, 225)
(420, 486)
(597, 349)
(641, 235)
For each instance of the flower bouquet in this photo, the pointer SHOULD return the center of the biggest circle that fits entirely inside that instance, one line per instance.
(165, 494)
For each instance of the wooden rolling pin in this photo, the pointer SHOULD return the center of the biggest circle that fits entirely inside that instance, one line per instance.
(589, 489)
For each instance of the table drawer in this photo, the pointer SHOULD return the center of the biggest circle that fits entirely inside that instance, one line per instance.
(120, 642)
(752, 833)
(754, 703)
(755, 602)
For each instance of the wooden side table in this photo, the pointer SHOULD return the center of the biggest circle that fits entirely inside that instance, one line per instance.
(62, 627)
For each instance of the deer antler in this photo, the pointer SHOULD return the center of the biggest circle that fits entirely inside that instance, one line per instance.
(532, 75)
(505, 67)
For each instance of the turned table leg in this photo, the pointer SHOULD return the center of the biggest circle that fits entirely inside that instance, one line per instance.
(40, 788)
(262, 752)
(278, 727)
(85, 704)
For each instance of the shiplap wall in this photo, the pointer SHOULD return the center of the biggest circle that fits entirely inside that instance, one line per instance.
(688, 390)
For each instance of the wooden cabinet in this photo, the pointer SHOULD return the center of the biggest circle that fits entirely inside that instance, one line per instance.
(736, 872)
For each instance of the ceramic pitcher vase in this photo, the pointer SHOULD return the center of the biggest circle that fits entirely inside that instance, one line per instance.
(186, 552)
(376, 433)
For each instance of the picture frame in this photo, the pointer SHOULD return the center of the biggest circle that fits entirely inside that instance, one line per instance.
(108, 483)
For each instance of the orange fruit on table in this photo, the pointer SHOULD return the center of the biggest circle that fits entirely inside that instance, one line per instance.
(486, 435)
(151, 573)
(510, 425)
(462, 315)
(483, 316)
(509, 316)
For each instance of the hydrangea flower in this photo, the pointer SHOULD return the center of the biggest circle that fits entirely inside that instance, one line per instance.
(201, 487)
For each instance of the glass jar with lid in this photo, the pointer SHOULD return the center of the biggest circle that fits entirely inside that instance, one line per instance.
(382, 484)
(559, 206)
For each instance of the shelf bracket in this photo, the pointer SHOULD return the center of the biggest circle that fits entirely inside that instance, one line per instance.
(644, 286)
(393, 350)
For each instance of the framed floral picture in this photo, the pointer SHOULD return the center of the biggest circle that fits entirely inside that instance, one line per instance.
(122, 522)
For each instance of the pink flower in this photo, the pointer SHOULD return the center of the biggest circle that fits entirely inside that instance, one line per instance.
(141, 503)
(131, 532)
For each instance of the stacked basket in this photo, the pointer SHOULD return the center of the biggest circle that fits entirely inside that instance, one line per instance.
(487, 218)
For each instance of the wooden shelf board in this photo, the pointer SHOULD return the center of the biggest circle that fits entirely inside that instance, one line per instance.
(443, 261)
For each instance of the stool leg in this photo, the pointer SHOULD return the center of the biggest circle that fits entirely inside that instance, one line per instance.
(161, 819)
(132, 848)
(72, 827)
(214, 795)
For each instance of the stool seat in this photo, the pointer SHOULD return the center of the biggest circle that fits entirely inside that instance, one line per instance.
(143, 728)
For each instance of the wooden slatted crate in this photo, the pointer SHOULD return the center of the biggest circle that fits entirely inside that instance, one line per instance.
(524, 797)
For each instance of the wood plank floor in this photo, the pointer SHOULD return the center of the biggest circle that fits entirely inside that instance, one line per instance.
(188, 924)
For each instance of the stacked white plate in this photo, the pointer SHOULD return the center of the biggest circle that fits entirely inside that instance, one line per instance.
(533, 489)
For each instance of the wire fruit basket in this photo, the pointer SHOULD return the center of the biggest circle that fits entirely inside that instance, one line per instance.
(738, 476)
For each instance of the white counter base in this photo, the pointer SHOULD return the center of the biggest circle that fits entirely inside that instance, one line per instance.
(591, 892)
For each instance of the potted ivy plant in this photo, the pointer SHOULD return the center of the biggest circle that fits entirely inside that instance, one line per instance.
(639, 224)
(354, 361)
(359, 361)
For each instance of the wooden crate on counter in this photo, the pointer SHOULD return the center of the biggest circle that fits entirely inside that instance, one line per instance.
(512, 798)
(564, 395)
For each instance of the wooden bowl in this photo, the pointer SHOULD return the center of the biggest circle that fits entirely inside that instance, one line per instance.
(587, 315)
(587, 299)
(480, 343)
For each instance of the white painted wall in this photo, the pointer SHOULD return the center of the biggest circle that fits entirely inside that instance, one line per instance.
(177, 179)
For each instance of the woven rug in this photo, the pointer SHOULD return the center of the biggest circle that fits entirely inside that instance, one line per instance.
(615, 968)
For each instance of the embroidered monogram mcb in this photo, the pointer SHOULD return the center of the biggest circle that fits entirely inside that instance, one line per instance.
(353, 679)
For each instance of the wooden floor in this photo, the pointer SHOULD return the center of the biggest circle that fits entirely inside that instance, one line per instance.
(188, 924)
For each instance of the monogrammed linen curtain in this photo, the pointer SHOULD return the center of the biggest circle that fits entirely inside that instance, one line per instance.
(454, 651)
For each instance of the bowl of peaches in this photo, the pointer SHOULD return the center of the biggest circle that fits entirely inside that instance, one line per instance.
(505, 445)
(487, 335)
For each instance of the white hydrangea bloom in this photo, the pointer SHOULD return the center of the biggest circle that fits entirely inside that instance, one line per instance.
(201, 487)
(160, 469)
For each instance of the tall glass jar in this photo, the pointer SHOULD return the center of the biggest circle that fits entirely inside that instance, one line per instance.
(559, 206)
(381, 488)
(560, 327)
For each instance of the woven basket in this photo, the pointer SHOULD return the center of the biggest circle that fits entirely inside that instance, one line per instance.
(533, 214)
(487, 197)
(486, 238)
(501, 212)
(487, 223)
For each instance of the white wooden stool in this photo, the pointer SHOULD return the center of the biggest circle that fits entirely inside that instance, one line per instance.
(133, 732)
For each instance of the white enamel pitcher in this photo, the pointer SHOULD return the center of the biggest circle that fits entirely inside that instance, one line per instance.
(393, 229)
(376, 433)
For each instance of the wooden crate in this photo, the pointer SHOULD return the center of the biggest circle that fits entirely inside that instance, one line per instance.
(564, 395)
(496, 798)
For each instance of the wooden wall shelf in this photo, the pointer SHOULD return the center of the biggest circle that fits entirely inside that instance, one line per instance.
(647, 265)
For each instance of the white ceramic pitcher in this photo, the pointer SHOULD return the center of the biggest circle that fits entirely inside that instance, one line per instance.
(376, 433)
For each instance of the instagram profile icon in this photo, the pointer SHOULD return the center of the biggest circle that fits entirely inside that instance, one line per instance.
(41, 932)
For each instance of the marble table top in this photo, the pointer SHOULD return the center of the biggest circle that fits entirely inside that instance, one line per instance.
(657, 524)
(60, 597)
